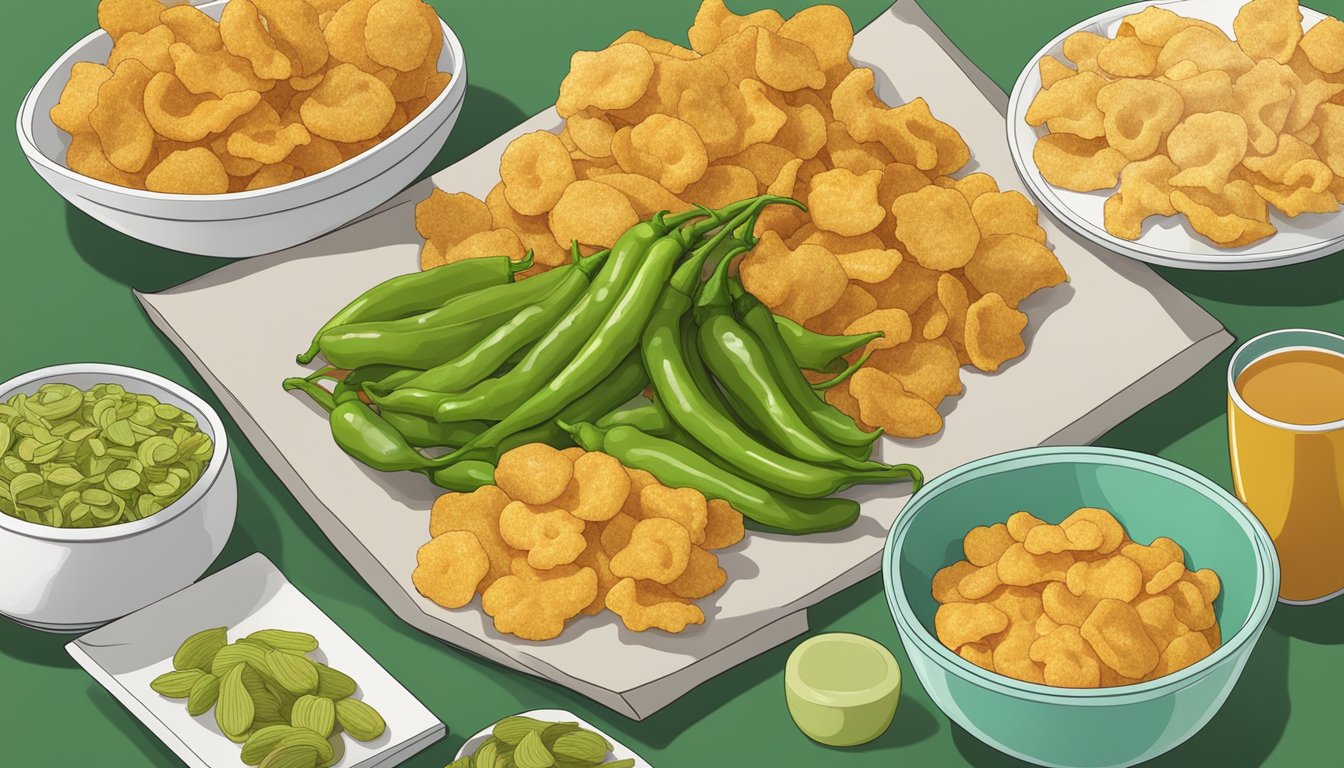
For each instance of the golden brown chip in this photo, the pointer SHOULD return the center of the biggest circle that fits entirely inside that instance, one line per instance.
(937, 227)
(448, 219)
(1070, 106)
(192, 26)
(1208, 48)
(723, 526)
(1268, 29)
(118, 17)
(613, 78)
(798, 283)
(1235, 218)
(493, 242)
(1145, 190)
(85, 156)
(189, 172)
(1127, 56)
(883, 402)
(349, 105)
(675, 146)
(659, 550)
(863, 257)
(1013, 267)
(993, 332)
(398, 35)
(1138, 115)
(1323, 45)
(149, 48)
(245, 34)
(534, 605)
(477, 512)
(534, 473)
(550, 536)
(119, 120)
(702, 576)
(1052, 70)
(1007, 213)
(1264, 96)
(644, 605)
(449, 568)
(79, 97)
(845, 203)
(591, 213)
(1081, 165)
(535, 170)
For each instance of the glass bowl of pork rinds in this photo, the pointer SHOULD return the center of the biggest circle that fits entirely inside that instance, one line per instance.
(197, 129)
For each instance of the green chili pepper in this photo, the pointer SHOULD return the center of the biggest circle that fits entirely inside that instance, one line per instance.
(426, 340)
(428, 433)
(740, 363)
(463, 476)
(310, 388)
(677, 465)
(363, 434)
(495, 398)
(818, 351)
(406, 295)
(843, 376)
(826, 419)
(689, 406)
(647, 418)
(351, 385)
(483, 359)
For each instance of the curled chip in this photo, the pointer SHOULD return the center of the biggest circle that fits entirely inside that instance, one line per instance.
(149, 48)
(883, 402)
(1112, 533)
(979, 583)
(1158, 614)
(1200, 91)
(1145, 190)
(854, 303)
(349, 105)
(598, 490)
(398, 35)
(946, 580)
(972, 186)
(659, 550)
(614, 78)
(448, 219)
(1020, 568)
(591, 133)
(1069, 660)
(1156, 25)
(591, 213)
(644, 605)
(913, 135)
(1006, 213)
(959, 623)
(264, 136)
(686, 506)
(1127, 56)
(450, 567)
(1168, 575)
(1116, 578)
(993, 332)
(533, 231)
(723, 525)
(119, 120)
(676, 148)
(1264, 96)
(344, 34)
(596, 558)
(189, 172)
(79, 97)
(85, 156)
(1115, 631)
(218, 71)
(926, 369)
(1323, 45)
(702, 576)
(192, 26)
(616, 533)
(799, 284)
(893, 324)
(1269, 29)
(646, 195)
(1020, 524)
(534, 605)
(719, 186)
(1078, 164)
(119, 17)
(535, 169)
(477, 513)
(787, 65)
(1014, 267)
(655, 45)
(1070, 106)
(937, 227)
(1235, 218)
(1042, 539)
(245, 34)
(864, 258)
(845, 203)
(1138, 115)
(534, 473)
(1208, 48)
(1082, 48)
(1052, 70)
(550, 537)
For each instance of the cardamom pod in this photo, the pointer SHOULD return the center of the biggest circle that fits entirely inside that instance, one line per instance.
(176, 684)
(487, 754)
(531, 753)
(293, 756)
(584, 746)
(234, 711)
(511, 730)
(306, 738)
(316, 713)
(333, 683)
(285, 640)
(294, 672)
(360, 720)
(203, 695)
(628, 762)
(238, 653)
(555, 731)
(264, 741)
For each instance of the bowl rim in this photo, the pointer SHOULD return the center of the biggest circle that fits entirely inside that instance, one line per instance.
(793, 673)
(27, 118)
(1262, 603)
(198, 490)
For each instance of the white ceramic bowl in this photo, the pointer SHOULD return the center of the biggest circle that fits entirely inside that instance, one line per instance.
(73, 579)
(1167, 241)
(240, 224)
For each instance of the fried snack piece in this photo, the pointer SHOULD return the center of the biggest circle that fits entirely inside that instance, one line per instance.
(550, 537)
(659, 550)
(686, 506)
(180, 115)
(1070, 106)
(723, 525)
(1115, 632)
(1323, 45)
(534, 605)
(477, 513)
(1006, 213)
(1235, 218)
(535, 169)
(1014, 267)
(844, 202)
(449, 218)
(993, 332)
(598, 490)
(591, 213)
(702, 576)
(450, 567)
(119, 119)
(611, 79)
(937, 227)
(349, 105)
(1069, 660)
(79, 97)
(644, 605)
(1078, 164)
(1138, 115)
(959, 623)
(194, 171)
(534, 473)
(1145, 190)
(883, 402)
(1269, 29)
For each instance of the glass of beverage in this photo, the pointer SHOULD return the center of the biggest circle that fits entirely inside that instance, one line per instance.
(1285, 424)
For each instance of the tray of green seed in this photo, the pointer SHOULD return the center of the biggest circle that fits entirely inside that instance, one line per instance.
(545, 737)
(242, 669)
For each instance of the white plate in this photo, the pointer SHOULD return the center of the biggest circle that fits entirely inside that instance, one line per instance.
(618, 750)
(252, 594)
(1168, 241)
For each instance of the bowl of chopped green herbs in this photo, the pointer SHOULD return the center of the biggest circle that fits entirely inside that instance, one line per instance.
(116, 490)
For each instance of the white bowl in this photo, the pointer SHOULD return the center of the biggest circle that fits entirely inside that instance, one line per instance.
(1167, 241)
(239, 224)
(73, 579)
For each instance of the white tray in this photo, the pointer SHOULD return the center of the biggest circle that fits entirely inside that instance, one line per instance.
(1168, 241)
(249, 595)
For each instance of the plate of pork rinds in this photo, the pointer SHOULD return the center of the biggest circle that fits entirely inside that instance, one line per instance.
(1195, 134)
(899, 235)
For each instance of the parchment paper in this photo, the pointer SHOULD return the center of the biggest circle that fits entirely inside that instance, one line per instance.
(1101, 347)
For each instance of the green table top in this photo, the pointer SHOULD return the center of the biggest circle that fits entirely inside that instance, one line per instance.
(65, 296)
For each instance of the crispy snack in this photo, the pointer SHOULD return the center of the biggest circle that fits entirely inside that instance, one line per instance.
(534, 473)
(276, 90)
(550, 537)
(534, 605)
(450, 567)
(644, 605)
(659, 550)
(1075, 605)
(1195, 124)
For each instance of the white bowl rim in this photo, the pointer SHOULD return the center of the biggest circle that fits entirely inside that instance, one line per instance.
(1235, 394)
(1267, 567)
(122, 530)
(27, 116)
(1134, 249)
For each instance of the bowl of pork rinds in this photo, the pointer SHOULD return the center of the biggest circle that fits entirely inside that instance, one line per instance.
(1079, 606)
(244, 127)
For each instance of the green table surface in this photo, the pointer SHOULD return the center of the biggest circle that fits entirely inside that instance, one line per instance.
(65, 296)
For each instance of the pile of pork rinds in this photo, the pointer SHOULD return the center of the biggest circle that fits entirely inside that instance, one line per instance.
(274, 91)
(1075, 605)
(564, 533)
(758, 104)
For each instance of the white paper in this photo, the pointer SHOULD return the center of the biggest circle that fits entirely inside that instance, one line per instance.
(1101, 347)
(126, 655)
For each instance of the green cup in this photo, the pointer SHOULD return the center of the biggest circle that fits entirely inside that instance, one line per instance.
(1151, 497)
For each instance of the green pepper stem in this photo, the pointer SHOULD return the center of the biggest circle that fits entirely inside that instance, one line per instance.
(319, 395)
(522, 264)
(844, 375)
(715, 291)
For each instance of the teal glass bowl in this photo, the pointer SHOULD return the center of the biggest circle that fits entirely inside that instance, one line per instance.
(1151, 497)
